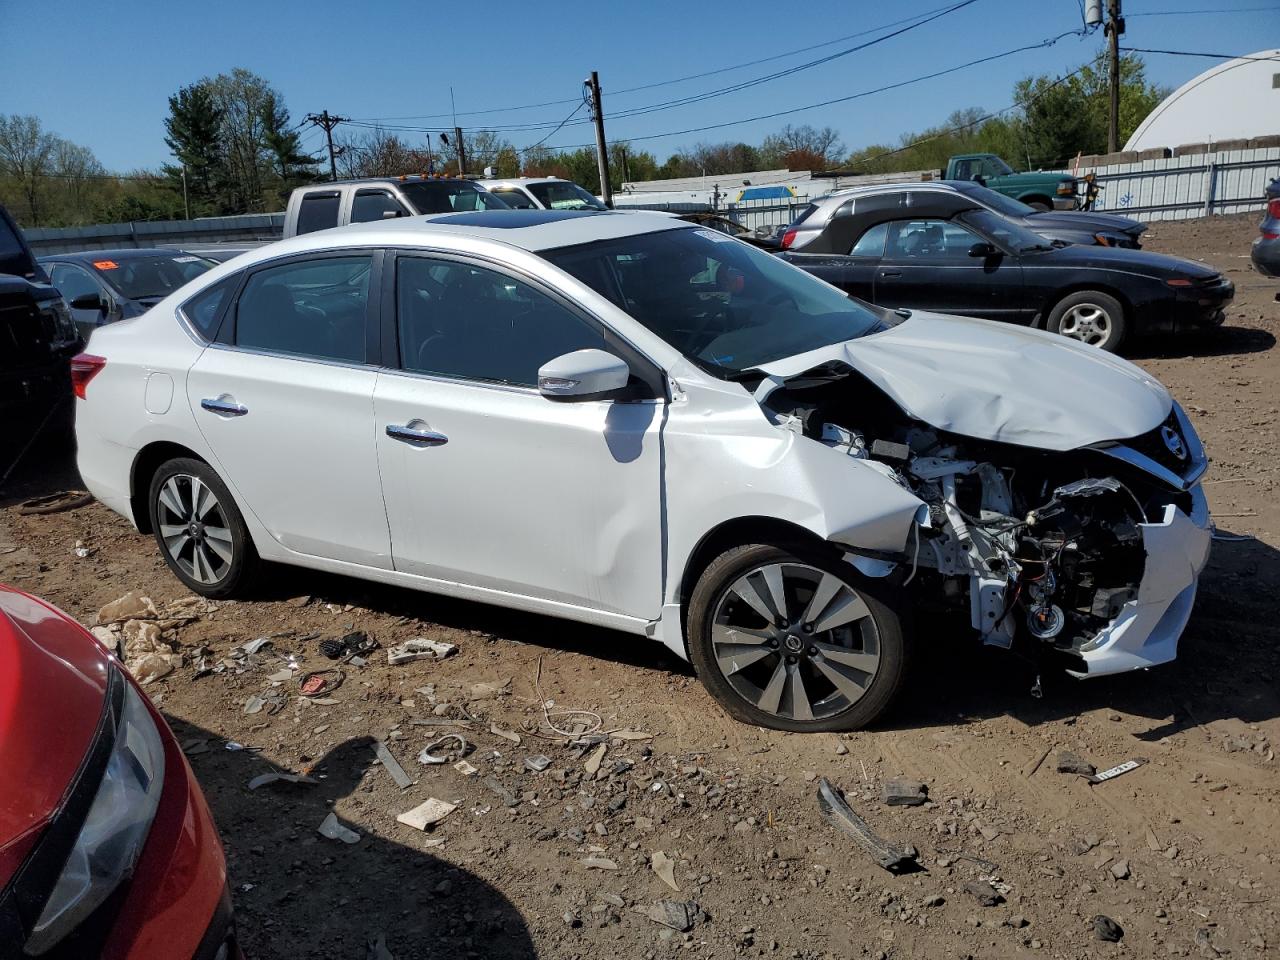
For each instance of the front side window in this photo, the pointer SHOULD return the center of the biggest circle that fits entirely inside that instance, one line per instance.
(318, 211)
(309, 308)
(929, 240)
(72, 282)
(564, 195)
(458, 320)
(514, 198)
(371, 205)
(726, 305)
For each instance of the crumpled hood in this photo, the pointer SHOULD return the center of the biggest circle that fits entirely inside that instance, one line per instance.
(995, 381)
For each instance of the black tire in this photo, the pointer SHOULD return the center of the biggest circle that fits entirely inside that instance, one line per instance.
(220, 576)
(713, 593)
(1116, 327)
(1039, 206)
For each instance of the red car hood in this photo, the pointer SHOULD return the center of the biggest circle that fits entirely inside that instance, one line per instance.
(53, 679)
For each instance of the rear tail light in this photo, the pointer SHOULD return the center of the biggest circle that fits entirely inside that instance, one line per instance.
(1273, 207)
(84, 367)
(788, 239)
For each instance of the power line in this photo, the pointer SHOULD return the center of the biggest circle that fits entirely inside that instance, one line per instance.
(853, 96)
(576, 111)
(664, 83)
(1187, 13)
(1212, 56)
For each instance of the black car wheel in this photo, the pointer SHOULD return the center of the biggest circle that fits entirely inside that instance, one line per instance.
(1091, 317)
(200, 530)
(795, 639)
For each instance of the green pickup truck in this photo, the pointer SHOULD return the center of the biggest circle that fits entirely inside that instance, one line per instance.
(1043, 190)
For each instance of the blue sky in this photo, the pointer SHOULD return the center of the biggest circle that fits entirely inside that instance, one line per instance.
(100, 73)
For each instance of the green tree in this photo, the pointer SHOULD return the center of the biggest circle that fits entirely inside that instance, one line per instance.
(288, 162)
(194, 136)
(26, 159)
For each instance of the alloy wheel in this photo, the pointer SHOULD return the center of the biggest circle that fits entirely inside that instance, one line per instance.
(194, 528)
(795, 641)
(1086, 322)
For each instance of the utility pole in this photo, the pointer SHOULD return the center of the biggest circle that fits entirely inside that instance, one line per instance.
(327, 122)
(602, 152)
(186, 204)
(462, 151)
(1115, 27)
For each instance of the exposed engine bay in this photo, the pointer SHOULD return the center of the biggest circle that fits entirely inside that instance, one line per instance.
(1039, 546)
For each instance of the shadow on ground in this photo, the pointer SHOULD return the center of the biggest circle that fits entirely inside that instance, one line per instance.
(298, 894)
(1215, 342)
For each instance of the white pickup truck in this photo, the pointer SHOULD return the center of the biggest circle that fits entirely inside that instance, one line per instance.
(334, 204)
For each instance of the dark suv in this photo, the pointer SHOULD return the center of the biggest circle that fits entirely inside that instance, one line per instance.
(38, 338)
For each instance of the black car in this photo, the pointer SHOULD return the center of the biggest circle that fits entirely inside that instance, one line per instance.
(103, 286)
(1266, 249)
(906, 248)
(1067, 226)
(37, 336)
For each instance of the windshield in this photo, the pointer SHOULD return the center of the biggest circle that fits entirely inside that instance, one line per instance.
(1004, 232)
(726, 305)
(1000, 168)
(564, 195)
(151, 277)
(449, 196)
(998, 202)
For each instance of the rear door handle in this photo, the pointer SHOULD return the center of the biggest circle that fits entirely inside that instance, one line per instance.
(224, 406)
(417, 436)
(890, 274)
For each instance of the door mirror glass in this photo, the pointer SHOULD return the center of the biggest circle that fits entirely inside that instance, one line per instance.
(983, 249)
(582, 375)
(89, 301)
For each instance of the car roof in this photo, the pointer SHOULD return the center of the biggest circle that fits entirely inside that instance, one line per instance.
(88, 257)
(407, 178)
(938, 186)
(532, 230)
(521, 181)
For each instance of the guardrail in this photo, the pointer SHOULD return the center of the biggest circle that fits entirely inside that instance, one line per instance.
(158, 233)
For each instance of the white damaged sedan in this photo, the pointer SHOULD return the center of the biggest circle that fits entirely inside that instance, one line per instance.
(629, 421)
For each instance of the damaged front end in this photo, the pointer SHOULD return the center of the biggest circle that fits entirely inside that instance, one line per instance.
(1086, 556)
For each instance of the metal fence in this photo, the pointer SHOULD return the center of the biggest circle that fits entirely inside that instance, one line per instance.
(765, 213)
(1193, 185)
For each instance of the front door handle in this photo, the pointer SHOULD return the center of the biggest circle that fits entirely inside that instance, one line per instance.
(224, 406)
(416, 436)
(890, 274)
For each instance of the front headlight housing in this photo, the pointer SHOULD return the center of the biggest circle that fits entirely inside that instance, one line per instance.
(115, 829)
(1066, 189)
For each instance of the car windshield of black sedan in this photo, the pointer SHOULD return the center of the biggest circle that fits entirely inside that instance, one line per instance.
(1004, 232)
(151, 278)
(724, 304)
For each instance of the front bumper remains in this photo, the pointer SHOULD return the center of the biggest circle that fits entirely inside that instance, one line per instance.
(1146, 631)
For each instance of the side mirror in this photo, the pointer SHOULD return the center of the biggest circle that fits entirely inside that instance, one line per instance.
(984, 250)
(392, 214)
(979, 179)
(582, 375)
(90, 301)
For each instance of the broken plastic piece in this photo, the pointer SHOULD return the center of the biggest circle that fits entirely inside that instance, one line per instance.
(537, 764)
(330, 827)
(265, 778)
(426, 756)
(420, 648)
(466, 769)
(894, 858)
(1117, 770)
(426, 814)
(401, 778)
(319, 682)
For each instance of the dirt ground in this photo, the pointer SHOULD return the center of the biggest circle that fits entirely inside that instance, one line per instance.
(1183, 853)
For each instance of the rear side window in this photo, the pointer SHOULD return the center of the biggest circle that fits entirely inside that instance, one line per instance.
(871, 243)
(318, 211)
(805, 214)
(204, 310)
(308, 308)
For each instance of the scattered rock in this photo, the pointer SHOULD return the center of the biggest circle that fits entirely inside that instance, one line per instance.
(599, 863)
(679, 915)
(665, 868)
(1068, 762)
(899, 792)
(1120, 869)
(1104, 928)
(984, 893)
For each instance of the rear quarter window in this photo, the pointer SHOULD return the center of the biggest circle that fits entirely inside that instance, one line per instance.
(204, 311)
(318, 211)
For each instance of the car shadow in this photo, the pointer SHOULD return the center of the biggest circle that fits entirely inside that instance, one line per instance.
(299, 894)
(1215, 342)
(37, 453)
